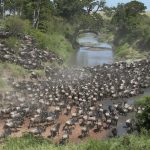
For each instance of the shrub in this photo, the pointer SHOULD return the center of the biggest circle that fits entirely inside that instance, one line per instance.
(126, 51)
(143, 119)
(16, 26)
(55, 42)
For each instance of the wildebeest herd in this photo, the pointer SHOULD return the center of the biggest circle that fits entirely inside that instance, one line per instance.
(70, 101)
(28, 55)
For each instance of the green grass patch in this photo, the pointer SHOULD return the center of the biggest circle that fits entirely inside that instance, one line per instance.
(2, 84)
(106, 37)
(16, 70)
(143, 101)
(125, 51)
(54, 42)
(14, 43)
(128, 142)
(41, 73)
(7, 69)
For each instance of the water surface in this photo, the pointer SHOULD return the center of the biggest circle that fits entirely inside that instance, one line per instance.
(92, 52)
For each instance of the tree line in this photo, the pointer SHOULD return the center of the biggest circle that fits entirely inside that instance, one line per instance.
(40, 11)
(128, 22)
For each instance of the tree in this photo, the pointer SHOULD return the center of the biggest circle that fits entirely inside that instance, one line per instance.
(134, 8)
(93, 6)
(2, 8)
(109, 11)
(68, 8)
(14, 7)
(71, 8)
(36, 11)
(127, 17)
(46, 9)
(92, 22)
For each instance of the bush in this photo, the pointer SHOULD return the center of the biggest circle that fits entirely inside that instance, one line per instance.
(55, 42)
(143, 119)
(16, 26)
(126, 51)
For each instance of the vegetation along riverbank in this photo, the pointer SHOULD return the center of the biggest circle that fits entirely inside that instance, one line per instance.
(127, 27)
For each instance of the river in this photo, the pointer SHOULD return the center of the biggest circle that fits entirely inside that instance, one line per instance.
(91, 51)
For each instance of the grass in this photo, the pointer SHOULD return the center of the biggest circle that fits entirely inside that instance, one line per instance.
(128, 142)
(7, 69)
(106, 37)
(41, 73)
(2, 83)
(127, 52)
(55, 42)
(57, 38)
(14, 43)
(53, 39)
(143, 101)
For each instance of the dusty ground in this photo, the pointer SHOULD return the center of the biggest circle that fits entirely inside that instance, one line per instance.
(74, 137)
(77, 130)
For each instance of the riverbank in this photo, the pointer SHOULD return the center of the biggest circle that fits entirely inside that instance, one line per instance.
(59, 37)
(123, 52)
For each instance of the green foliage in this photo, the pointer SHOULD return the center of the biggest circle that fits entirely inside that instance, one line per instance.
(14, 70)
(13, 42)
(8, 70)
(2, 24)
(44, 15)
(2, 83)
(92, 22)
(127, 16)
(60, 26)
(134, 8)
(28, 8)
(41, 73)
(126, 51)
(55, 42)
(131, 27)
(67, 8)
(28, 142)
(142, 102)
(143, 119)
(16, 26)
(51, 36)
(13, 6)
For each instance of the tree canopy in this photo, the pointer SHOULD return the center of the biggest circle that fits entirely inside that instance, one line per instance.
(127, 16)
